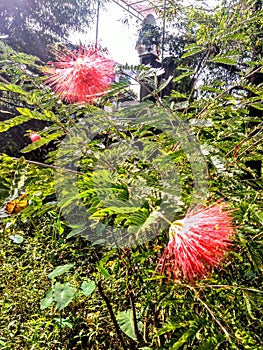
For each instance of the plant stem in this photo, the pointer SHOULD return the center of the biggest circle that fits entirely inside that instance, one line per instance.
(44, 165)
(113, 318)
(135, 323)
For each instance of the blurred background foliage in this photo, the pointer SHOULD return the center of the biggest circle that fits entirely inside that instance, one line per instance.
(43, 22)
(60, 290)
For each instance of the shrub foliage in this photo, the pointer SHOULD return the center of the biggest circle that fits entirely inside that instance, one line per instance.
(65, 288)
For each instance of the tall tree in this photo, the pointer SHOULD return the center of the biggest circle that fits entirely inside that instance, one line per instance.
(256, 79)
(31, 24)
(223, 48)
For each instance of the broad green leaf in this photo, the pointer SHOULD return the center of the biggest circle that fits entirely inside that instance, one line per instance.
(115, 210)
(234, 36)
(177, 94)
(47, 300)
(59, 270)
(137, 219)
(25, 115)
(63, 294)
(88, 287)
(17, 238)
(125, 321)
(143, 222)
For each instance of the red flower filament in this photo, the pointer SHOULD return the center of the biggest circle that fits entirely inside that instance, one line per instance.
(197, 243)
(81, 76)
(34, 137)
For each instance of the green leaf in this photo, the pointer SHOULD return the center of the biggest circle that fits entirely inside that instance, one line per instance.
(59, 270)
(224, 60)
(192, 51)
(13, 88)
(218, 163)
(201, 122)
(17, 238)
(103, 271)
(164, 84)
(190, 333)
(88, 287)
(10, 123)
(47, 300)
(182, 76)
(75, 232)
(212, 343)
(170, 327)
(43, 141)
(63, 294)
(125, 321)
(257, 106)
(26, 115)
(26, 112)
(63, 322)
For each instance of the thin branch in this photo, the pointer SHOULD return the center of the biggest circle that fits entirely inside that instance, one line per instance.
(213, 316)
(225, 286)
(249, 147)
(248, 137)
(44, 165)
(4, 80)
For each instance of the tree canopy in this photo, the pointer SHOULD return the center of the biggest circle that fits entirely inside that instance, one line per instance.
(31, 24)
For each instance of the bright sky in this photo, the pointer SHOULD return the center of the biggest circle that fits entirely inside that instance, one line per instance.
(118, 38)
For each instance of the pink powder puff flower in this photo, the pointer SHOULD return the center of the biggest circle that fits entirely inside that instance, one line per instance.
(197, 243)
(34, 137)
(81, 76)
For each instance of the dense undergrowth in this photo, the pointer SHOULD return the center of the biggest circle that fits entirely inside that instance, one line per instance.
(65, 288)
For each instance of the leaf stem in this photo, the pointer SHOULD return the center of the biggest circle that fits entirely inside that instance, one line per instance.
(44, 165)
(135, 322)
(113, 318)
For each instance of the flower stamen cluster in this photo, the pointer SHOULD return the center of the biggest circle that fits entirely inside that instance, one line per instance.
(197, 243)
(81, 76)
